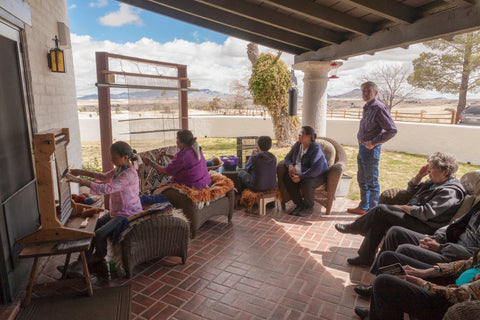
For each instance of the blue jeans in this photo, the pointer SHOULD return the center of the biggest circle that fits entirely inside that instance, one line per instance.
(105, 227)
(367, 176)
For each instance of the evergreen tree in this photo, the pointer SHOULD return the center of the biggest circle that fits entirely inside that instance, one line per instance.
(453, 66)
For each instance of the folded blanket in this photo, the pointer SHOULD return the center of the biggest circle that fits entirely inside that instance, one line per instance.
(219, 187)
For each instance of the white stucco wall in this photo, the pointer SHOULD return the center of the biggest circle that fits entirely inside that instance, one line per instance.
(419, 138)
(416, 138)
(53, 94)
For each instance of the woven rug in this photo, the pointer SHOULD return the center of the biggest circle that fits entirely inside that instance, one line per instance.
(106, 304)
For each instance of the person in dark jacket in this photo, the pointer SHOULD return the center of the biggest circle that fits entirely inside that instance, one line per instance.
(457, 241)
(393, 296)
(307, 170)
(260, 169)
(433, 204)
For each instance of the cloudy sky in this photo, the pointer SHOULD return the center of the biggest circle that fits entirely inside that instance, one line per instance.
(214, 60)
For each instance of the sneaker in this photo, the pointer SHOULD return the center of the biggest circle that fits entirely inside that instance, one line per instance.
(297, 210)
(305, 212)
(359, 261)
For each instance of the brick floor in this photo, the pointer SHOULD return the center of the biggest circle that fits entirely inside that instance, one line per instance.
(272, 267)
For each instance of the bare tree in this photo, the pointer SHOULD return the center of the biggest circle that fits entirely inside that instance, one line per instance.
(252, 52)
(391, 80)
(240, 89)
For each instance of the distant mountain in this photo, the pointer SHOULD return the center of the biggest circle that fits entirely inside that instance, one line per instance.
(159, 94)
(354, 94)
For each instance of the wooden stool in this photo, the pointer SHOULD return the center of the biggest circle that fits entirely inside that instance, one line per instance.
(249, 198)
(47, 249)
(265, 199)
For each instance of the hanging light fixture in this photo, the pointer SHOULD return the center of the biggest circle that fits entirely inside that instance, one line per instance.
(55, 58)
(333, 68)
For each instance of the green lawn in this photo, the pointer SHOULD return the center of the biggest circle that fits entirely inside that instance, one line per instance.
(396, 168)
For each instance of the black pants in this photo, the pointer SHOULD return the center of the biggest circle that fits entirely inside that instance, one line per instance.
(374, 224)
(387, 258)
(393, 296)
(303, 193)
(406, 242)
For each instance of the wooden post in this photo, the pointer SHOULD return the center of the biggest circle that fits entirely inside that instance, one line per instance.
(344, 113)
(183, 95)
(454, 116)
(104, 111)
(396, 115)
(421, 116)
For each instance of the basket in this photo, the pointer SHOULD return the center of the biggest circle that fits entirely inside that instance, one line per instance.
(230, 162)
(218, 163)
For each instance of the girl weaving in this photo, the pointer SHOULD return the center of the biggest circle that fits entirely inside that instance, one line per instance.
(121, 183)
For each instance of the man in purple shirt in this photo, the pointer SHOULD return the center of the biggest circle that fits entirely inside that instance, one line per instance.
(376, 127)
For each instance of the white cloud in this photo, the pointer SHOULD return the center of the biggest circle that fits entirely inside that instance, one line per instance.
(195, 35)
(214, 66)
(73, 6)
(99, 3)
(125, 15)
(209, 65)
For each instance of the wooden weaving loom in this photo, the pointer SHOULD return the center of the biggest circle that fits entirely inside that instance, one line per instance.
(63, 222)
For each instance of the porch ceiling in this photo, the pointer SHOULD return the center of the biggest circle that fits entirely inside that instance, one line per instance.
(325, 29)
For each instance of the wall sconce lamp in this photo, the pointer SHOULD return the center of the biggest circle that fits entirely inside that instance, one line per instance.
(55, 58)
(334, 68)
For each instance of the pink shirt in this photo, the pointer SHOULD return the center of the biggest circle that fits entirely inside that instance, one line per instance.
(123, 191)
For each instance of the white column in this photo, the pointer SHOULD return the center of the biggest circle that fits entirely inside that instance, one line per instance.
(315, 82)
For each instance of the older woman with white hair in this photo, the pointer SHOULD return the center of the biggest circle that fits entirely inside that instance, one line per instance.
(432, 205)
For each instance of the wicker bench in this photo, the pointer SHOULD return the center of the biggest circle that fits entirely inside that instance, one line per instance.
(158, 237)
(150, 180)
(198, 216)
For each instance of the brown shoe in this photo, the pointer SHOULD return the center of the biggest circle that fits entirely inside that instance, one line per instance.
(356, 210)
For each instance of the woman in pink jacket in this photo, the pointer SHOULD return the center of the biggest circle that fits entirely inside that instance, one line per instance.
(121, 183)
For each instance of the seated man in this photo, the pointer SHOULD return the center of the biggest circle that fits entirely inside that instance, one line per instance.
(433, 204)
(392, 296)
(260, 172)
(457, 241)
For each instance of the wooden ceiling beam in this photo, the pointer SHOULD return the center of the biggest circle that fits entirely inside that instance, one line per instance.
(388, 9)
(231, 20)
(159, 8)
(432, 27)
(314, 11)
(281, 21)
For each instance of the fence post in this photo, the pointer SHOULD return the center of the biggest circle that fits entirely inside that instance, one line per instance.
(344, 113)
(454, 116)
(421, 116)
(396, 115)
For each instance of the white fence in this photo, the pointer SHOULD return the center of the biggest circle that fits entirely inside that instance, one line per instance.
(416, 138)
